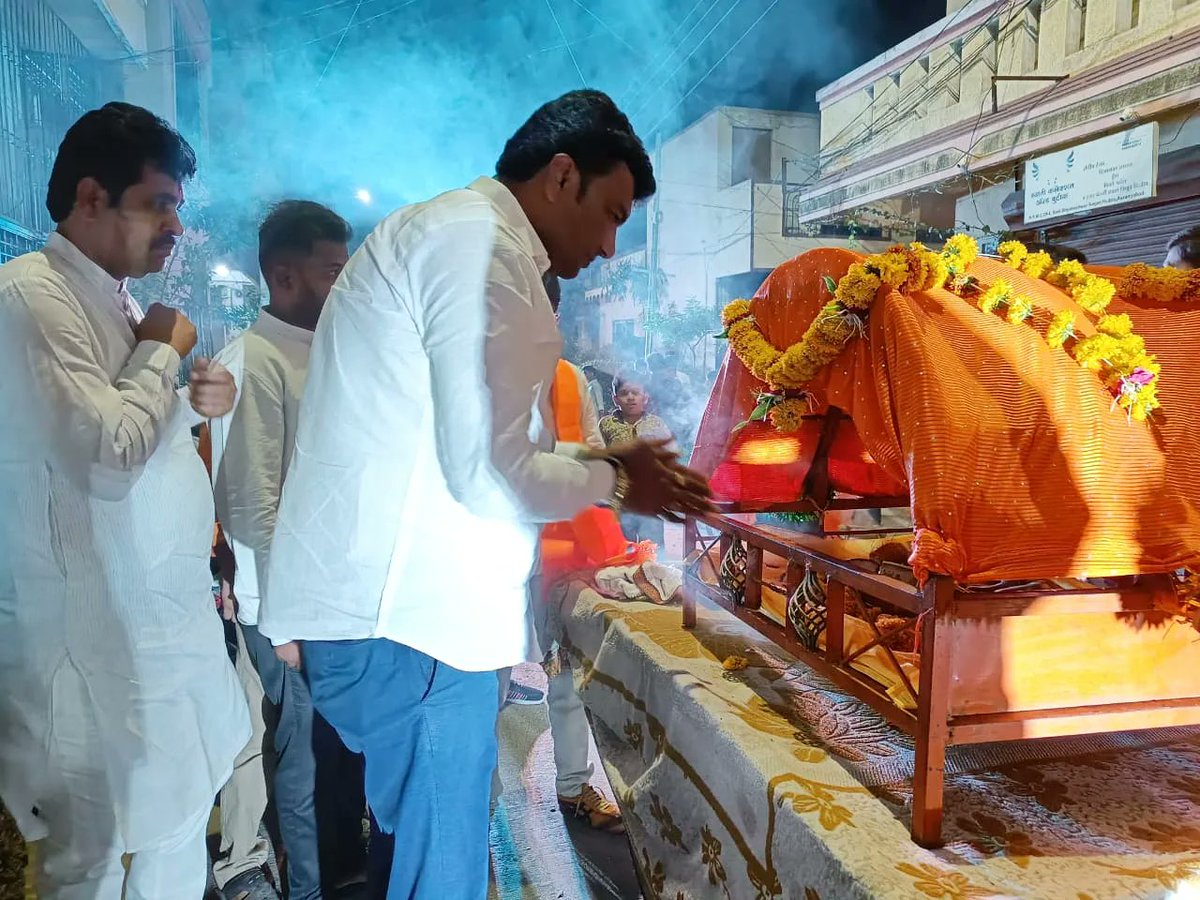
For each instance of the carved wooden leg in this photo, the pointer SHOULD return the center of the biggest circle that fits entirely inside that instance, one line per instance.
(835, 621)
(933, 710)
(689, 606)
(754, 577)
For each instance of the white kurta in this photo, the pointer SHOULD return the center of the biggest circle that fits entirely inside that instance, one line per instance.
(424, 457)
(106, 521)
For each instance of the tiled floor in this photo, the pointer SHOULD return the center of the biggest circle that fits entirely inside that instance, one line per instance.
(536, 854)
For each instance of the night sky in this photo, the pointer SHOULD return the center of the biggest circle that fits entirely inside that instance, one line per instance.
(409, 97)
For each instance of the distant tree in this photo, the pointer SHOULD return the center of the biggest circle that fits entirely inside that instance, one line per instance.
(214, 235)
(683, 328)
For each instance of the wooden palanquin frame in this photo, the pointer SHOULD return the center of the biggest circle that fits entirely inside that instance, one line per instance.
(966, 645)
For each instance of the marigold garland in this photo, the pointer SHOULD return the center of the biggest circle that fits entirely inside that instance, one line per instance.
(1148, 284)
(1115, 353)
(788, 415)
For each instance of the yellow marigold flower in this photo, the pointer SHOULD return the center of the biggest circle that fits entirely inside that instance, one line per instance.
(1036, 265)
(1092, 352)
(858, 287)
(1067, 273)
(735, 663)
(1117, 326)
(939, 272)
(1020, 308)
(1094, 293)
(962, 250)
(1062, 327)
(788, 415)
(734, 311)
(893, 270)
(995, 296)
(1013, 253)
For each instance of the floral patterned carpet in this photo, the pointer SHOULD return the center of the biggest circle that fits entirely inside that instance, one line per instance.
(768, 782)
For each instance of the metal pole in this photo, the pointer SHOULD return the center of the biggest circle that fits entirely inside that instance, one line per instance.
(652, 269)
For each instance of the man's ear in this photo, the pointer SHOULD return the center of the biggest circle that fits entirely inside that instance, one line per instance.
(90, 197)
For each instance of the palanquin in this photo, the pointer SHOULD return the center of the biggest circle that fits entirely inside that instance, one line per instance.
(993, 544)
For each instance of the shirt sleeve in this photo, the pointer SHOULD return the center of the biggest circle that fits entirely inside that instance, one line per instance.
(476, 309)
(99, 430)
(249, 479)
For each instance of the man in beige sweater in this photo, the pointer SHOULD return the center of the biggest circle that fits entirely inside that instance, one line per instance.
(302, 249)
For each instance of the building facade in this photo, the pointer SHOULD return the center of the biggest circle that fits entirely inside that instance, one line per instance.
(60, 58)
(946, 121)
(714, 230)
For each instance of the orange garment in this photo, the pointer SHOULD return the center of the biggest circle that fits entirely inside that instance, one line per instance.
(205, 450)
(1016, 464)
(592, 539)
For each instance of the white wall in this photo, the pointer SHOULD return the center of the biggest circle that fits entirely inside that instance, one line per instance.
(984, 208)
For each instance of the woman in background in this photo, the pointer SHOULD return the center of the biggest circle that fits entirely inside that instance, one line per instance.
(630, 422)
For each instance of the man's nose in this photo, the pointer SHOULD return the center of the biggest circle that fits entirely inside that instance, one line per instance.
(175, 224)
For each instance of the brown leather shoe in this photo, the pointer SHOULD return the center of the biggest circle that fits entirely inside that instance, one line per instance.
(601, 813)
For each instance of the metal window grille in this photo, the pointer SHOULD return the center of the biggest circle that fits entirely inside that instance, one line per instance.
(47, 81)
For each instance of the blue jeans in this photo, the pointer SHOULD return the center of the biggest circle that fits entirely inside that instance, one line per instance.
(427, 731)
(294, 770)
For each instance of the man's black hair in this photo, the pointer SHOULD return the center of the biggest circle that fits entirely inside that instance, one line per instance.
(1188, 242)
(292, 227)
(1058, 252)
(588, 127)
(114, 145)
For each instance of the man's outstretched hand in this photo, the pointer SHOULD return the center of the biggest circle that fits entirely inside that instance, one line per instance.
(658, 484)
(211, 389)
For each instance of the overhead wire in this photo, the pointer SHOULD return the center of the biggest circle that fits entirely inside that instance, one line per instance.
(701, 43)
(925, 90)
(563, 35)
(338, 46)
(606, 27)
(634, 89)
(950, 20)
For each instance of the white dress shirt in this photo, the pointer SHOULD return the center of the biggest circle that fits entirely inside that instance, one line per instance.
(424, 458)
(252, 445)
(106, 522)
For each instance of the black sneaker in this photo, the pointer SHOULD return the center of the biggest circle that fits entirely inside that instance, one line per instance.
(252, 885)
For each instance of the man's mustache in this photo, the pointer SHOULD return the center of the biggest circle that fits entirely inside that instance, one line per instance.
(167, 244)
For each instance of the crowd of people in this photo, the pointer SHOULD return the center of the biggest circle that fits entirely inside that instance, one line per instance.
(383, 447)
(382, 452)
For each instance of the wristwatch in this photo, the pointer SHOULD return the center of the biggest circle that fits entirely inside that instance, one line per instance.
(621, 486)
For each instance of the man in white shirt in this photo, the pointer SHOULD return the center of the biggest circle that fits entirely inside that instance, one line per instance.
(302, 247)
(423, 463)
(120, 714)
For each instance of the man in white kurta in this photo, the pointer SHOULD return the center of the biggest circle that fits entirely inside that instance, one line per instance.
(423, 463)
(120, 714)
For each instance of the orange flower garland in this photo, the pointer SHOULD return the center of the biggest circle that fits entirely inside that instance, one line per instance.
(1146, 283)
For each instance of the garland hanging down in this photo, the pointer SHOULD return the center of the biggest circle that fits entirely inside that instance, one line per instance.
(1117, 354)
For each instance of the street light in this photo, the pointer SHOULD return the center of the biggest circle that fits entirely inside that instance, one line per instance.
(221, 270)
(364, 196)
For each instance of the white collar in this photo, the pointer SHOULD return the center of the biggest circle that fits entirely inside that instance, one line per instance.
(92, 275)
(272, 326)
(514, 216)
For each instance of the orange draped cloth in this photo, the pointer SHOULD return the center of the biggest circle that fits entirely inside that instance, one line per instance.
(1015, 461)
(593, 538)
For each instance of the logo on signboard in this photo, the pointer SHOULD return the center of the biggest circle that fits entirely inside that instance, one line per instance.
(1037, 172)
(1070, 160)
